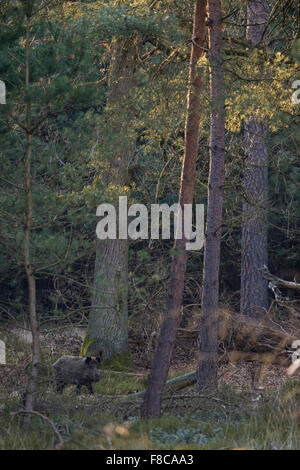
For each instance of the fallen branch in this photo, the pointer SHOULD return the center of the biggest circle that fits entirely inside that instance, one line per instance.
(293, 367)
(177, 383)
(278, 282)
(54, 428)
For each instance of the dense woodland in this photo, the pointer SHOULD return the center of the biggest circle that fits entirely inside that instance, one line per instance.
(165, 102)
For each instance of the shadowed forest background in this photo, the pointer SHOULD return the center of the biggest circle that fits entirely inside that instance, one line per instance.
(163, 102)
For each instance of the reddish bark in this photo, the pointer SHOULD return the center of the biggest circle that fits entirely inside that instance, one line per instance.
(161, 363)
(207, 368)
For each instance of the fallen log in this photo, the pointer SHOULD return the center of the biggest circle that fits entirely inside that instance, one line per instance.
(278, 282)
(293, 367)
(172, 385)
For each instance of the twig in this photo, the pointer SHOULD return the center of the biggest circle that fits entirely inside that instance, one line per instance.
(54, 428)
(153, 4)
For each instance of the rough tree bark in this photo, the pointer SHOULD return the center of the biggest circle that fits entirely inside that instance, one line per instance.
(161, 363)
(108, 321)
(254, 252)
(207, 368)
(30, 394)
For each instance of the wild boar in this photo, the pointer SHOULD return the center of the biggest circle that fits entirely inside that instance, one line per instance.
(73, 370)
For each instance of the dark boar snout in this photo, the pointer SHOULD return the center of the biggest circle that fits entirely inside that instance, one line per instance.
(93, 367)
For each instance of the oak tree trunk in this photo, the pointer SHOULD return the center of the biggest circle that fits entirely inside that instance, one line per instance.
(108, 321)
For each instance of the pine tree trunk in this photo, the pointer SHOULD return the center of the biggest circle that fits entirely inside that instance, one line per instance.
(254, 252)
(207, 368)
(161, 363)
(31, 391)
(32, 382)
(108, 321)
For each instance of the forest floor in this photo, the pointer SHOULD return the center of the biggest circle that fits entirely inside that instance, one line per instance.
(255, 407)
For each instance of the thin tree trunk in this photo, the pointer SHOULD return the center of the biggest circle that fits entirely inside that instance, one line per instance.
(32, 383)
(207, 368)
(108, 322)
(254, 252)
(161, 363)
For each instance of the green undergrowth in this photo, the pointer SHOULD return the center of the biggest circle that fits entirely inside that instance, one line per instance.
(119, 362)
(230, 418)
(86, 422)
(114, 383)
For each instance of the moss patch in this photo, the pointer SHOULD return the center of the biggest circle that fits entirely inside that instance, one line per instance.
(119, 362)
(87, 343)
(112, 383)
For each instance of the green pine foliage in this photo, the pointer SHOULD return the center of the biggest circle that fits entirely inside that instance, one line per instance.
(69, 61)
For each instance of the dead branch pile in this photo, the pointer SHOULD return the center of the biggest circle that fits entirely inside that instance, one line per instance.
(249, 338)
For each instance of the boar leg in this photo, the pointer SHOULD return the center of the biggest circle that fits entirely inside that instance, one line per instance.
(78, 389)
(90, 388)
(59, 386)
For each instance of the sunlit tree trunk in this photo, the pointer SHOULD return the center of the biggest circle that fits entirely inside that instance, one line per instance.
(161, 363)
(254, 250)
(108, 321)
(207, 368)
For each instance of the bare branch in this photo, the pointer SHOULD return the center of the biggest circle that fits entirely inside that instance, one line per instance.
(278, 282)
(55, 430)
